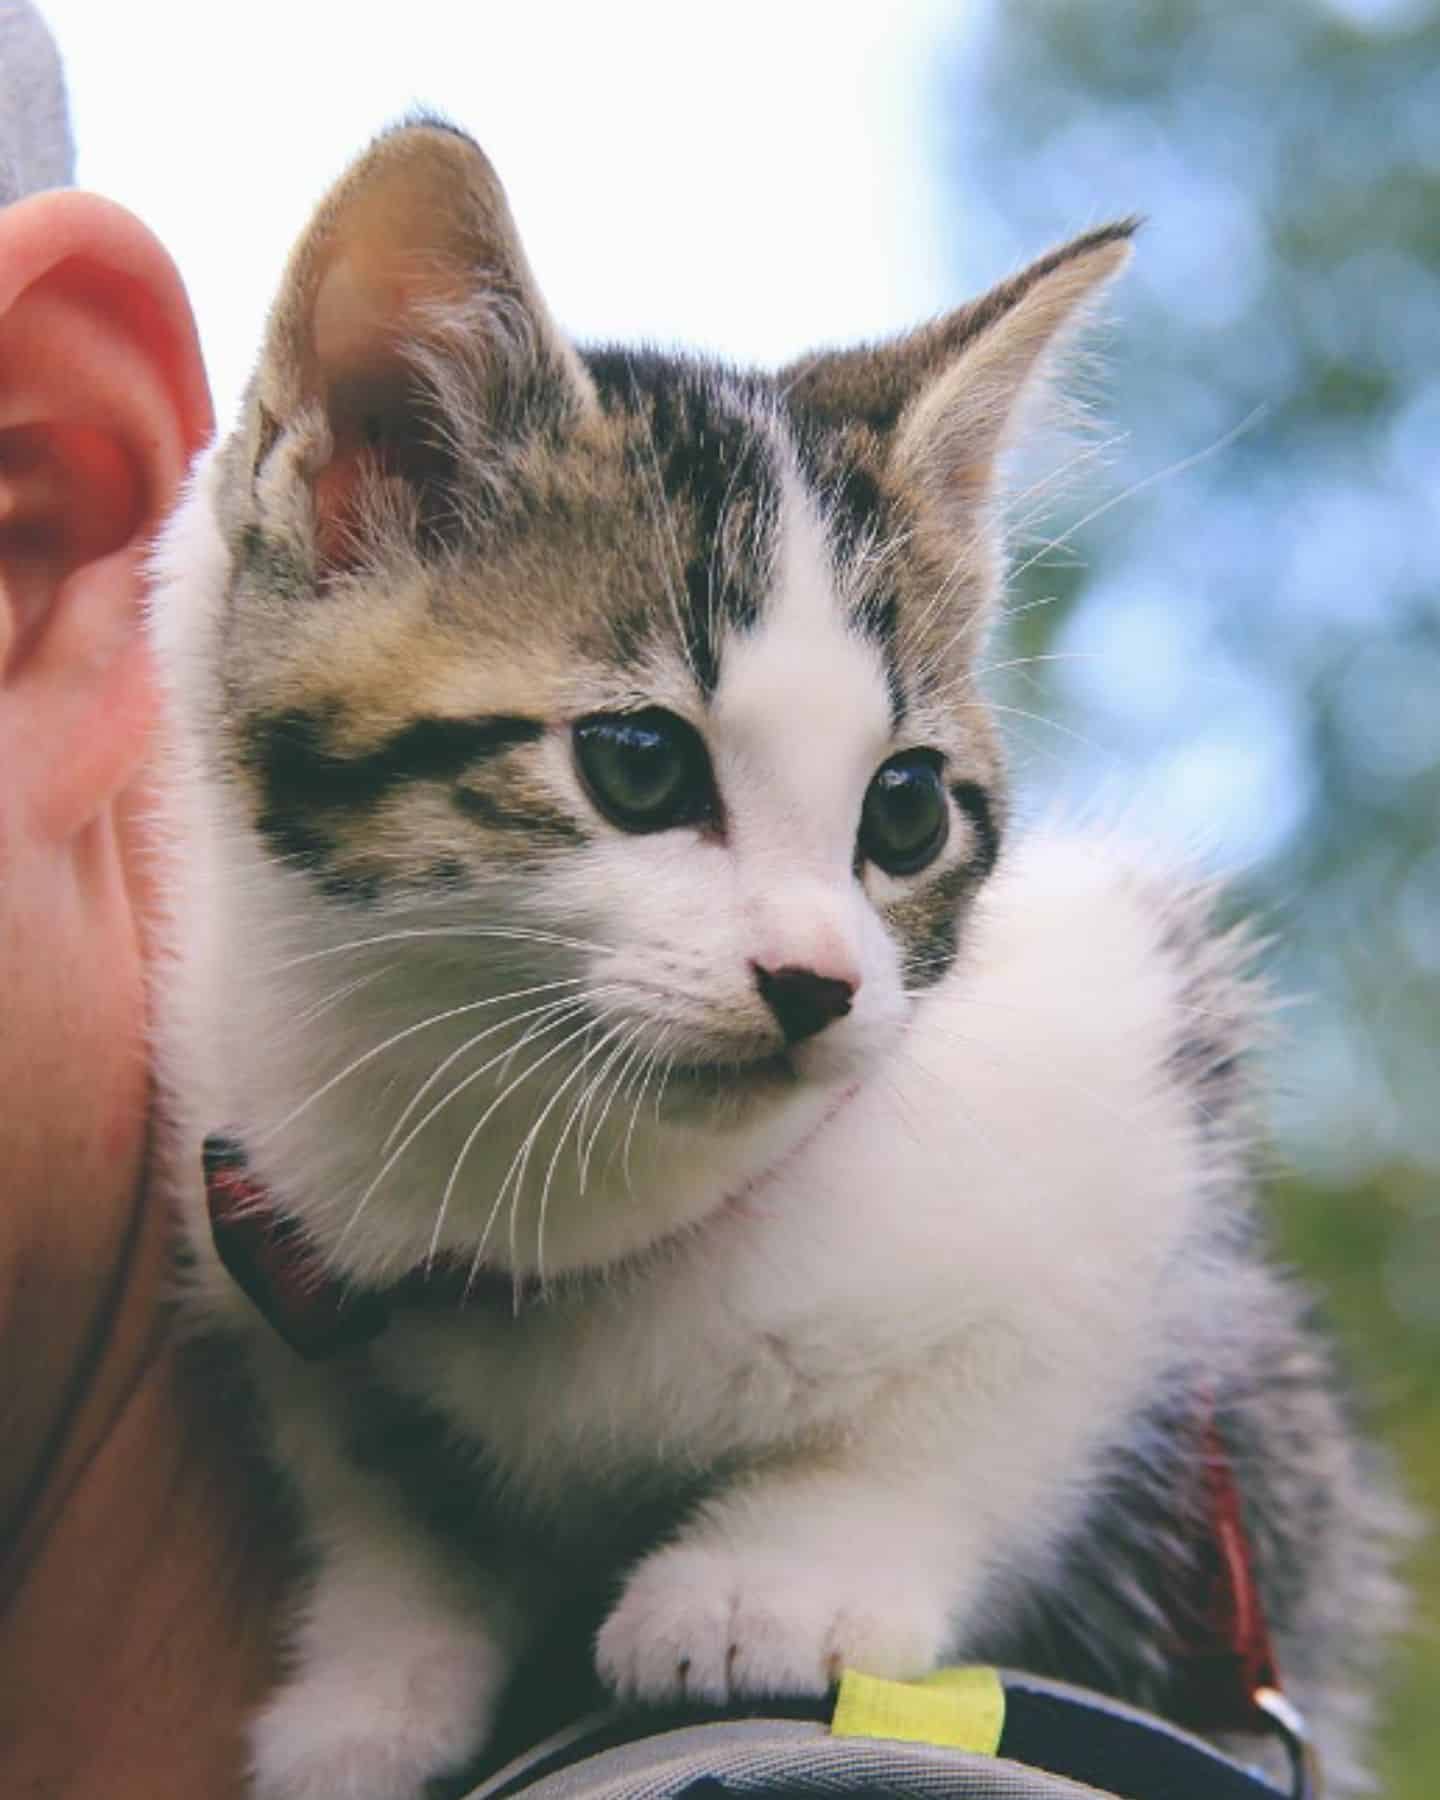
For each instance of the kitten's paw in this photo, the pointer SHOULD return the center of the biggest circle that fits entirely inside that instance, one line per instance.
(378, 1724)
(713, 1624)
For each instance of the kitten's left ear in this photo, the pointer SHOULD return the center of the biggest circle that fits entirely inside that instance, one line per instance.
(946, 398)
(410, 330)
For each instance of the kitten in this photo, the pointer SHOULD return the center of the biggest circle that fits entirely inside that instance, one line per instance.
(808, 1227)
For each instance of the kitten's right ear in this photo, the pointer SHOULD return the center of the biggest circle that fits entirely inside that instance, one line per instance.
(408, 336)
(945, 400)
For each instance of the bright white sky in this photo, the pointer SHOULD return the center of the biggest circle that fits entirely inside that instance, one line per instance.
(752, 178)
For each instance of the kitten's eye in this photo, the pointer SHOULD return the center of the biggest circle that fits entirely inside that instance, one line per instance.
(905, 819)
(646, 771)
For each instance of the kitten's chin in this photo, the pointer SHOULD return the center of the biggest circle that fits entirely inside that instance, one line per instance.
(717, 1132)
(694, 1089)
(727, 1090)
(727, 1096)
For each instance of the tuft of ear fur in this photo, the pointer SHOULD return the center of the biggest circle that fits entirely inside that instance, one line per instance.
(946, 397)
(408, 337)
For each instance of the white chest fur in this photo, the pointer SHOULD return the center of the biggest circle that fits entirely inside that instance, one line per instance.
(987, 1203)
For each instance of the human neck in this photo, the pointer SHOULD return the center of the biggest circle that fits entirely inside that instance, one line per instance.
(137, 1589)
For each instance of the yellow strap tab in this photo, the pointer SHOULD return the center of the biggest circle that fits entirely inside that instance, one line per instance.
(961, 1709)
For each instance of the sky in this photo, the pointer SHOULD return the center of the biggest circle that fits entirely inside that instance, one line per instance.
(751, 190)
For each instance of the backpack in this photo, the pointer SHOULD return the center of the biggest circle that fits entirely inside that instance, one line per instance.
(961, 1734)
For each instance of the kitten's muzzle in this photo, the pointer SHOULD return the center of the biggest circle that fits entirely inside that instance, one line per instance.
(803, 1002)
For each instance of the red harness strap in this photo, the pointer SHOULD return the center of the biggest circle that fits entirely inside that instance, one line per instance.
(1223, 1637)
(269, 1259)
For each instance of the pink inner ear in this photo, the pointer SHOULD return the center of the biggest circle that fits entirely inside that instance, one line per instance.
(351, 320)
(337, 489)
(370, 304)
(370, 300)
(399, 258)
(402, 478)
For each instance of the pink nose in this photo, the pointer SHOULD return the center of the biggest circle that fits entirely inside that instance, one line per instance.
(803, 1002)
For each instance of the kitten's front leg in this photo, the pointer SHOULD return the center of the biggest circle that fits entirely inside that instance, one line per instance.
(393, 1682)
(399, 1654)
(786, 1578)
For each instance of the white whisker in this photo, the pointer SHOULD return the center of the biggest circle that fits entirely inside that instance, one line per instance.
(338, 996)
(649, 1065)
(1025, 662)
(532, 1135)
(1041, 489)
(368, 1056)
(569, 981)
(516, 934)
(475, 1130)
(562, 1011)
(633, 1050)
(1176, 468)
(1019, 712)
(614, 1063)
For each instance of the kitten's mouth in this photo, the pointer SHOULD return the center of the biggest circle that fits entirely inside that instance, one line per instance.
(734, 1080)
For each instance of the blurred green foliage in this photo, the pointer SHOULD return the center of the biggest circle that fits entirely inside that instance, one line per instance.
(1251, 617)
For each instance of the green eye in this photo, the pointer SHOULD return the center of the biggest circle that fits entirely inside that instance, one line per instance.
(905, 819)
(646, 771)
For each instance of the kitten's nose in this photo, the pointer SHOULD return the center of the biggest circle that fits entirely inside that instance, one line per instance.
(803, 1002)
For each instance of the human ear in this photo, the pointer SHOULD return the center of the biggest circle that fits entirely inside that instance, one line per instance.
(102, 404)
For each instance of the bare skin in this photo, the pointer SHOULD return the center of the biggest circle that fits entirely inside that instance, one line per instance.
(138, 1565)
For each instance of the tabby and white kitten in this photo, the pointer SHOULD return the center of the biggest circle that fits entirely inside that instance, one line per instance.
(593, 877)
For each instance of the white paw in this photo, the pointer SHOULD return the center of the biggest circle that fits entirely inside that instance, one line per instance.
(377, 1722)
(714, 1624)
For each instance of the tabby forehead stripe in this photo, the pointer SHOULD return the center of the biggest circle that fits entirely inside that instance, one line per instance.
(877, 617)
(852, 499)
(857, 515)
(299, 768)
(701, 454)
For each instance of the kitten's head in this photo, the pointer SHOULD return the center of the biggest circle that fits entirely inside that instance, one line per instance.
(633, 686)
